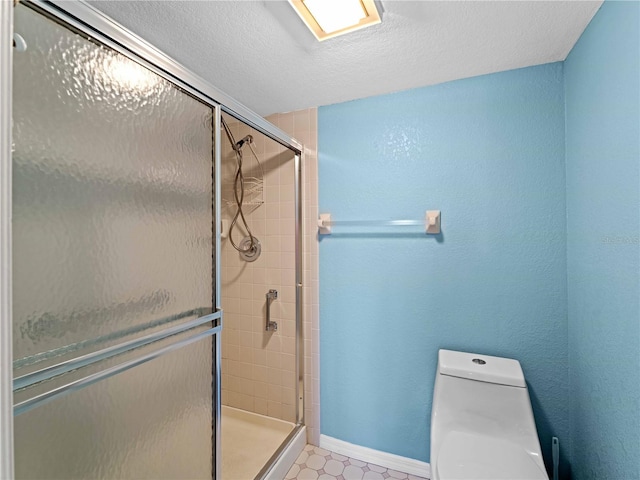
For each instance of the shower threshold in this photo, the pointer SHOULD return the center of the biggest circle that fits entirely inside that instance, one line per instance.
(248, 442)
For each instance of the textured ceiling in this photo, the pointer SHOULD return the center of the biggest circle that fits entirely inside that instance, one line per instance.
(260, 53)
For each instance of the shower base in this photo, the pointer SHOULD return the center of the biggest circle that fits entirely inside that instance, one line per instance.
(248, 442)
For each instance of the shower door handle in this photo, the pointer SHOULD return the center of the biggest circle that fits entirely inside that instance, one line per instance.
(271, 296)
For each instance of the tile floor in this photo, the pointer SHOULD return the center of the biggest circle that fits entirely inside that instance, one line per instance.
(315, 463)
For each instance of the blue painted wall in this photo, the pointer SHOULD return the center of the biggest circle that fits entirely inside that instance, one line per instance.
(602, 88)
(488, 152)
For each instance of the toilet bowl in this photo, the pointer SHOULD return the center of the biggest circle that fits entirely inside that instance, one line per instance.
(482, 425)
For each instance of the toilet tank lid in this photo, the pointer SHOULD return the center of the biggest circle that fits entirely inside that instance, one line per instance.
(483, 368)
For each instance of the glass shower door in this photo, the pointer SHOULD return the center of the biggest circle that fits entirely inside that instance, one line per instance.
(115, 325)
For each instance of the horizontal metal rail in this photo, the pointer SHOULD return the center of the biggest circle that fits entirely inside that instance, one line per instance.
(48, 373)
(373, 223)
(79, 384)
(67, 349)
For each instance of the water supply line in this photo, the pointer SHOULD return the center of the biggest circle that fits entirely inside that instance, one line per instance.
(555, 447)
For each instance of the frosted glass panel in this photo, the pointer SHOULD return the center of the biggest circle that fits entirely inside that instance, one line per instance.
(153, 421)
(112, 196)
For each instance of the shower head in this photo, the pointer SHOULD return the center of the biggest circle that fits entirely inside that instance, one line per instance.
(247, 139)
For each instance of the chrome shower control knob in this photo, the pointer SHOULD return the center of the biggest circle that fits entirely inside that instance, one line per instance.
(248, 252)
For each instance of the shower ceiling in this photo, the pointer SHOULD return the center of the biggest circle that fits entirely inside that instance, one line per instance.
(261, 54)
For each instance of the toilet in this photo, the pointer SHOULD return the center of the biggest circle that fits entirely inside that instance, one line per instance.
(482, 425)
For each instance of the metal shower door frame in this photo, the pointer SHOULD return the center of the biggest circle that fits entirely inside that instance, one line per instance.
(93, 22)
(6, 339)
(85, 18)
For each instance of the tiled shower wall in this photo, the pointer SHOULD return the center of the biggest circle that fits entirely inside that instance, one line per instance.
(259, 367)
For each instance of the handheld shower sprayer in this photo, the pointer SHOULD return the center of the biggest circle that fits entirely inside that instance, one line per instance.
(249, 248)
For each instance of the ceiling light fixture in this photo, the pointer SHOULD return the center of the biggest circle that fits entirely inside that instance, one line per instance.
(330, 18)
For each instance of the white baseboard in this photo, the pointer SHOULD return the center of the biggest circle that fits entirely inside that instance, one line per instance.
(384, 459)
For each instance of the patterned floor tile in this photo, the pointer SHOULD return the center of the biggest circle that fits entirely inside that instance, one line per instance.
(316, 463)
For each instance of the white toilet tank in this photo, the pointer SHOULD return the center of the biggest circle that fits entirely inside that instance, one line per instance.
(482, 425)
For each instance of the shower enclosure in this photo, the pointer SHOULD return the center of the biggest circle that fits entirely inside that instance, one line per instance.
(260, 371)
(123, 204)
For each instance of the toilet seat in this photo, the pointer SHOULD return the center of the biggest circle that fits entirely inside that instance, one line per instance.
(469, 456)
